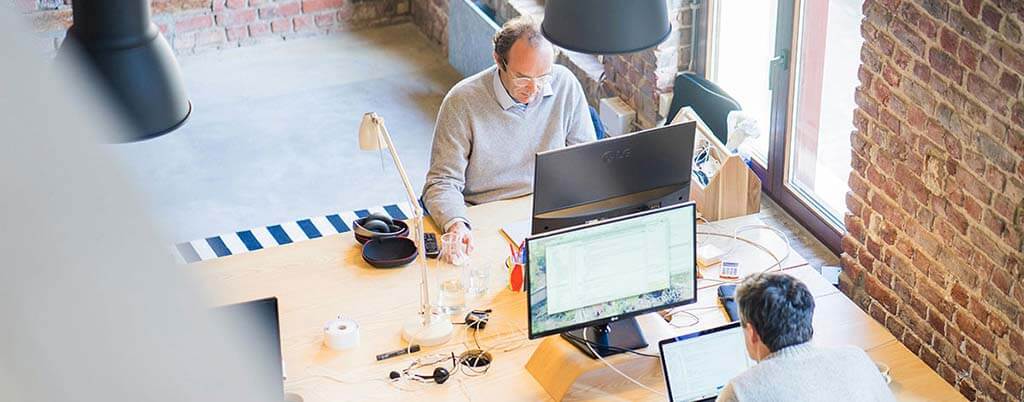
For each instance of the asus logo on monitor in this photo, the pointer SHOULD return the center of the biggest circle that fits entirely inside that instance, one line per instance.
(616, 155)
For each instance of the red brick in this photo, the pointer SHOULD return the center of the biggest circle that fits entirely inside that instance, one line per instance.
(1010, 83)
(973, 329)
(312, 6)
(257, 29)
(235, 4)
(945, 64)
(237, 33)
(968, 56)
(281, 25)
(949, 40)
(280, 10)
(193, 23)
(303, 23)
(324, 20)
(909, 37)
(959, 294)
(991, 17)
(967, 27)
(1010, 56)
(973, 7)
(236, 18)
(999, 327)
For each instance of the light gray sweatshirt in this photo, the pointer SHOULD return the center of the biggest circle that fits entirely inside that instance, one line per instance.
(485, 142)
(808, 373)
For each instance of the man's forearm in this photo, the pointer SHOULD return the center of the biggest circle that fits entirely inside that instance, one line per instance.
(446, 205)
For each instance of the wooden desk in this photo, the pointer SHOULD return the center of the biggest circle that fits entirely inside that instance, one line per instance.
(317, 280)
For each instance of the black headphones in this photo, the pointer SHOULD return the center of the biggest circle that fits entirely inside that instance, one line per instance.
(440, 375)
(379, 223)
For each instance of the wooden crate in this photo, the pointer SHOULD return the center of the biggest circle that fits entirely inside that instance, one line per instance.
(734, 190)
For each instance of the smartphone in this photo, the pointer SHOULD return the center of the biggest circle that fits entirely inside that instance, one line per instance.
(430, 243)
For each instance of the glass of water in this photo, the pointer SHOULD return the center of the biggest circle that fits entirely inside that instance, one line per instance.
(451, 271)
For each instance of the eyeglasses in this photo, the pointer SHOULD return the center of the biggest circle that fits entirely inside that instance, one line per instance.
(538, 82)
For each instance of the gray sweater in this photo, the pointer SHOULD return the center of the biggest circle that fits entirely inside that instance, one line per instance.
(808, 373)
(485, 142)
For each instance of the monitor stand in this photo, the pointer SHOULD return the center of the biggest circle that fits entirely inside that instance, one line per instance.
(621, 334)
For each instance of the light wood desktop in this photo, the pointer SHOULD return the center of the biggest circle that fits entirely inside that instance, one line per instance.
(317, 280)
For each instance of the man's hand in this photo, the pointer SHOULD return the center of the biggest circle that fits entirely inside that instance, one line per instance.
(465, 235)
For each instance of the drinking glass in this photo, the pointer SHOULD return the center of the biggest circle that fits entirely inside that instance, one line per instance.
(452, 278)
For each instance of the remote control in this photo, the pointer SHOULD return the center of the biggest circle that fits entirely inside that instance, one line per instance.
(430, 242)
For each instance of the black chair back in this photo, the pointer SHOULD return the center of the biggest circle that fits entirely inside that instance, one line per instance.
(710, 102)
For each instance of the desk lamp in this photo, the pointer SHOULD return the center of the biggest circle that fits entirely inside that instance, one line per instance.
(427, 328)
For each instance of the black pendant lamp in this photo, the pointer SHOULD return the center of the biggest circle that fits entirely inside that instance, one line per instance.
(606, 26)
(118, 41)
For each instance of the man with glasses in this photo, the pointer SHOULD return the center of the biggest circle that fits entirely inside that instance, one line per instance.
(491, 124)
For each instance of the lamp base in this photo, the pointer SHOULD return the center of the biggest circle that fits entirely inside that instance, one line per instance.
(418, 331)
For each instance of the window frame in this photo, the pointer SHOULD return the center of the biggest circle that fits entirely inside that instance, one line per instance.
(804, 208)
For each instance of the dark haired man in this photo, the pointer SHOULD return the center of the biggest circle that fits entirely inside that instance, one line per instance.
(491, 124)
(776, 311)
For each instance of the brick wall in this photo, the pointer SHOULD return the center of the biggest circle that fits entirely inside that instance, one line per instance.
(638, 78)
(934, 249)
(197, 25)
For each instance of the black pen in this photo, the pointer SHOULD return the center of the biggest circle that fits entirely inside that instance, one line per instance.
(399, 352)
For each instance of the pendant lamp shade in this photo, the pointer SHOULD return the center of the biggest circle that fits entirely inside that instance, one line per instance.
(118, 42)
(606, 26)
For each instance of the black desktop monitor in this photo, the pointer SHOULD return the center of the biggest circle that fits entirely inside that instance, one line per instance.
(588, 282)
(612, 177)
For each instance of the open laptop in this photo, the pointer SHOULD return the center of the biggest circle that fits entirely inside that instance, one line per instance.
(697, 366)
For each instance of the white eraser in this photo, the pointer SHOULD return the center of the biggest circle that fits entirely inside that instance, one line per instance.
(708, 255)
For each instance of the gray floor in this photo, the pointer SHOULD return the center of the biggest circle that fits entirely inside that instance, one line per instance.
(273, 134)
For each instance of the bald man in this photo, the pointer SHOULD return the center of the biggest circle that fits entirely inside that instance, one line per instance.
(492, 124)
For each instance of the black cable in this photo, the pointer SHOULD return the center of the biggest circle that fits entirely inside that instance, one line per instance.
(611, 347)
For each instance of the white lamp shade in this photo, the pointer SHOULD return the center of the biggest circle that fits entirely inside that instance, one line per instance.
(370, 136)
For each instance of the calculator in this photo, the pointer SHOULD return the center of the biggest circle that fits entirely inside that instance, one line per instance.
(730, 270)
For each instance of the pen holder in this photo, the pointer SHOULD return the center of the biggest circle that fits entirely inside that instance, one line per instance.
(516, 275)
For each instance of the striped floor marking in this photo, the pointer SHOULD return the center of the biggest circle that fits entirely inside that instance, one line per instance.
(255, 239)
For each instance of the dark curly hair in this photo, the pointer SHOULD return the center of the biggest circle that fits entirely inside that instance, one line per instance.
(780, 308)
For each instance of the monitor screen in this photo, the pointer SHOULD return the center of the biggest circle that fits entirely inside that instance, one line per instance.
(612, 177)
(697, 366)
(592, 274)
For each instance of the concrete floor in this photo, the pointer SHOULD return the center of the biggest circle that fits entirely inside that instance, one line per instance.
(273, 133)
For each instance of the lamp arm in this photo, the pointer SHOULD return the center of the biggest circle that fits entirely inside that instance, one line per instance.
(418, 217)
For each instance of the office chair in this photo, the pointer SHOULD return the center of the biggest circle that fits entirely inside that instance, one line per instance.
(710, 102)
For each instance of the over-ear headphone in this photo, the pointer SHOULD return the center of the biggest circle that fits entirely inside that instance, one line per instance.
(440, 375)
(380, 223)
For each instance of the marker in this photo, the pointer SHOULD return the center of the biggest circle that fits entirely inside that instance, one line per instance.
(399, 352)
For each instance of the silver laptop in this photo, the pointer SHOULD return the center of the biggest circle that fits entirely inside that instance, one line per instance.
(697, 366)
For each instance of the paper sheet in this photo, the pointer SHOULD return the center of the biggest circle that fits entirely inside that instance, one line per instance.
(517, 232)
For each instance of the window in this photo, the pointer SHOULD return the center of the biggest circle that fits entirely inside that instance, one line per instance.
(792, 65)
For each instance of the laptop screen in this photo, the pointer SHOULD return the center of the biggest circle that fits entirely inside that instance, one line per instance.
(697, 366)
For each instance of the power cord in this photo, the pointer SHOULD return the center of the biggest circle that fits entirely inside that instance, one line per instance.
(624, 375)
